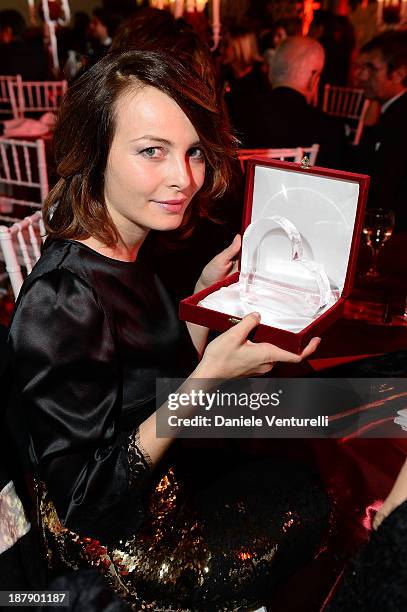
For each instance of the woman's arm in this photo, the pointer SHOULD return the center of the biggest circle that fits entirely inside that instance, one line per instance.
(231, 355)
(217, 269)
(69, 381)
(198, 333)
(397, 496)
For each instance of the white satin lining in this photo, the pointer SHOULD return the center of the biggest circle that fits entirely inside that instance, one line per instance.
(13, 522)
(227, 300)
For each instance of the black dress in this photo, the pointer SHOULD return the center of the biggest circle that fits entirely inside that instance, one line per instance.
(88, 339)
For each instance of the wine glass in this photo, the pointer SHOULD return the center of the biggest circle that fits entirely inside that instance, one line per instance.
(378, 227)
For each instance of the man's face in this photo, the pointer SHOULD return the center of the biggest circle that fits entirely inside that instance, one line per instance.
(373, 77)
(97, 30)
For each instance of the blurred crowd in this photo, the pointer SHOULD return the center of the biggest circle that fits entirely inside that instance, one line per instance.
(270, 77)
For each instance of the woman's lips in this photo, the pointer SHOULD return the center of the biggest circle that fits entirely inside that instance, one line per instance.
(172, 206)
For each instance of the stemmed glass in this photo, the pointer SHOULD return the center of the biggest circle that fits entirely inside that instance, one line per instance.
(378, 227)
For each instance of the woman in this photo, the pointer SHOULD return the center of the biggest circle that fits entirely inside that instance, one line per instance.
(141, 150)
(151, 29)
(246, 85)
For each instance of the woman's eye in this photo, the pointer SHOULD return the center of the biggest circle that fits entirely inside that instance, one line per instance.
(197, 153)
(153, 152)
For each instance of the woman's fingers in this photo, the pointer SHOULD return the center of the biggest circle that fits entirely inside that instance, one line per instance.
(310, 348)
(220, 266)
(272, 353)
(269, 353)
(242, 329)
(378, 519)
(235, 266)
(266, 367)
(234, 247)
(227, 255)
(232, 355)
(389, 505)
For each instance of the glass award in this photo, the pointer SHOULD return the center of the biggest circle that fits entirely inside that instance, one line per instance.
(293, 286)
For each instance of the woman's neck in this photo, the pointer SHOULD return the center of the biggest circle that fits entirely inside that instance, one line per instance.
(120, 251)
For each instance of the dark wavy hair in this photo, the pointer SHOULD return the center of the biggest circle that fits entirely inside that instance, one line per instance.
(152, 29)
(75, 208)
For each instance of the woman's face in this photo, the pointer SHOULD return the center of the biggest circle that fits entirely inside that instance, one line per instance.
(155, 165)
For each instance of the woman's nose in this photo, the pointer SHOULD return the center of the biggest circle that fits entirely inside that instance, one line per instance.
(180, 173)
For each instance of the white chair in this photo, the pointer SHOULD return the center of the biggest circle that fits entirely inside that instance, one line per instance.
(294, 154)
(31, 97)
(348, 103)
(6, 92)
(20, 247)
(23, 176)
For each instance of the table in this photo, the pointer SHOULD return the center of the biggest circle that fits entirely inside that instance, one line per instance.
(372, 323)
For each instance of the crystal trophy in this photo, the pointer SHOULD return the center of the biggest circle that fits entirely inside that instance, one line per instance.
(294, 286)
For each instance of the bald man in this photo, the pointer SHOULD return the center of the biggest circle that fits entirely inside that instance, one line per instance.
(288, 117)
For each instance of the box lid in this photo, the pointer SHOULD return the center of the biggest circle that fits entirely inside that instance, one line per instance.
(326, 206)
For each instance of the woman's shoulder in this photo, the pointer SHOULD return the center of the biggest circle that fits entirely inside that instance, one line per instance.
(60, 269)
(62, 257)
(58, 296)
(58, 255)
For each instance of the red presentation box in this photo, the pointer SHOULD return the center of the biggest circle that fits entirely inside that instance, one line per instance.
(301, 230)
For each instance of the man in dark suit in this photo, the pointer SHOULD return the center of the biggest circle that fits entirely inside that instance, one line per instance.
(382, 73)
(288, 119)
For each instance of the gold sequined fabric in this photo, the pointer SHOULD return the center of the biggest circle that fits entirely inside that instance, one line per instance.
(222, 547)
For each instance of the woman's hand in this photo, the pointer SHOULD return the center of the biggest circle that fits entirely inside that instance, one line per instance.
(395, 498)
(220, 266)
(217, 269)
(232, 355)
(381, 514)
(387, 508)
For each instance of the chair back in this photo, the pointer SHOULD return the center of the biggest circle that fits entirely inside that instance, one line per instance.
(23, 176)
(6, 93)
(32, 97)
(20, 248)
(295, 154)
(350, 104)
